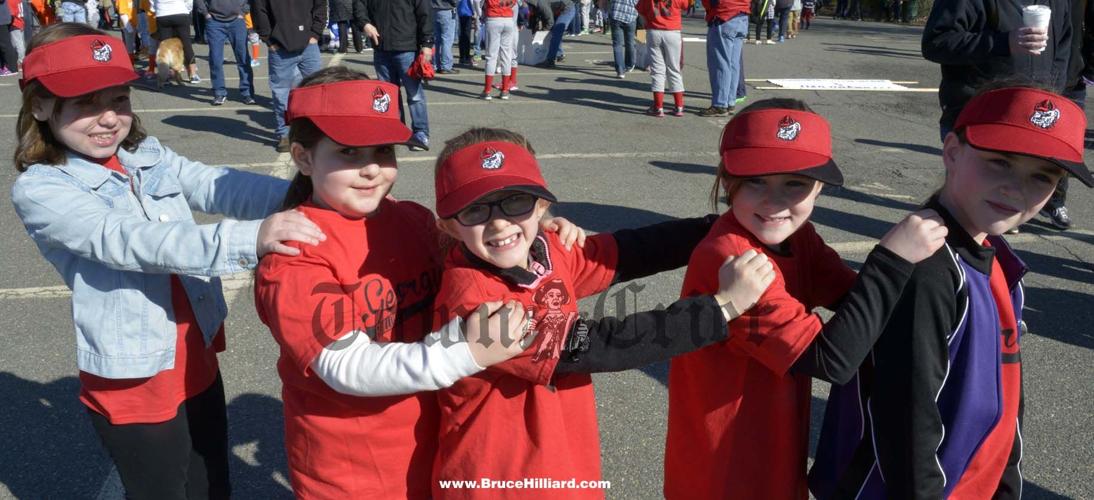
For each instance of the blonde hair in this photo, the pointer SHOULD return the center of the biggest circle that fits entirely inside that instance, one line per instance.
(36, 143)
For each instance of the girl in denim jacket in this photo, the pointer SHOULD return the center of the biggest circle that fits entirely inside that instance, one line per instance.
(110, 209)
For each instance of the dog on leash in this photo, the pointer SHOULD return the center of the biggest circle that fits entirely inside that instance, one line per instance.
(169, 62)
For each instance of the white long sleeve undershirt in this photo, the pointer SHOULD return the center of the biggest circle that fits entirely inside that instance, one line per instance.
(367, 368)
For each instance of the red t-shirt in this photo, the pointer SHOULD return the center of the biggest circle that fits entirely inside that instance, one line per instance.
(157, 398)
(725, 10)
(499, 8)
(662, 14)
(377, 274)
(982, 476)
(738, 424)
(507, 423)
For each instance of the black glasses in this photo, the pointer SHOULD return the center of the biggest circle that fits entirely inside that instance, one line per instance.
(514, 205)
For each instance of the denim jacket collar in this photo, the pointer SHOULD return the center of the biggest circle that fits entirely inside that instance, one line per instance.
(94, 175)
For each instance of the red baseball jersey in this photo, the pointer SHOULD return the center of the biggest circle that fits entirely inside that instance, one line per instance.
(515, 420)
(738, 424)
(378, 275)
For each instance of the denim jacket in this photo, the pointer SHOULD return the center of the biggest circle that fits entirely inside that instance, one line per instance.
(116, 247)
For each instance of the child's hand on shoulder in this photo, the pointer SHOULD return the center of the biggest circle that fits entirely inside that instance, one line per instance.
(289, 225)
(567, 231)
(742, 280)
(916, 237)
(496, 332)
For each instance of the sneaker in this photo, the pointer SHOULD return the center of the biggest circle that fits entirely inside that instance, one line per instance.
(283, 145)
(678, 111)
(419, 142)
(220, 100)
(255, 63)
(513, 87)
(657, 112)
(620, 75)
(486, 96)
(755, 42)
(1058, 216)
(1013, 230)
(546, 65)
(195, 78)
(714, 111)
(451, 71)
(249, 100)
(740, 100)
(505, 95)
(6, 72)
(782, 39)
(630, 68)
(769, 42)
(560, 58)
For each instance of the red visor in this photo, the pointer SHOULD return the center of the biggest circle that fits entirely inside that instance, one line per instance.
(352, 113)
(1028, 122)
(779, 141)
(79, 65)
(487, 167)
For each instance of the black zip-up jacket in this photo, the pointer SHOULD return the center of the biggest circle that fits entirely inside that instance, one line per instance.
(1082, 43)
(543, 11)
(404, 25)
(444, 4)
(289, 23)
(969, 38)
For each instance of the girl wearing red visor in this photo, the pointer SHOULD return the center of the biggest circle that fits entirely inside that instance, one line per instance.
(739, 410)
(110, 209)
(352, 314)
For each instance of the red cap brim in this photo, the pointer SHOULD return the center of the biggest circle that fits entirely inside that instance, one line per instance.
(754, 162)
(460, 198)
(1021, 140)
(86, 80)
(362, 131)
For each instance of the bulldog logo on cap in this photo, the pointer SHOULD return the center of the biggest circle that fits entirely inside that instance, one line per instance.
(789, 128)
(1045, 114)
(492, 159)
(100, 51)
(381, 102)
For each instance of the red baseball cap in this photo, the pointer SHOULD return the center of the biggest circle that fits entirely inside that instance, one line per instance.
(779, 141)
(353, 113)
(1030, 122)
(79, 65)
(483, 168)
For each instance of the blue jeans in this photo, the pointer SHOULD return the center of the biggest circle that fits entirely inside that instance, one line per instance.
(391, 67)
(235, 32)
(724, 42)
(623, 44)
(444, 33)
(783, 16)
(286, 71)
(73, 12)
(557, 30)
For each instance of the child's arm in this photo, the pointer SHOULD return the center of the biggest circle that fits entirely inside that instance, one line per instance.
(357, 366)
(221, 190)
(656, 248)
(639, 339)
(58, 214)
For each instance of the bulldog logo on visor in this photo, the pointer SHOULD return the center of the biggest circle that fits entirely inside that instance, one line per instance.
(101, 51)
(1045, 114)
(788, 129)
(381, 101)
(492, 159)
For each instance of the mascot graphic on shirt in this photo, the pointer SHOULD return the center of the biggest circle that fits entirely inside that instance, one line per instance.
(101, 52)
(381, 102)
(551, 328)
(788, 129)
(1045, 114)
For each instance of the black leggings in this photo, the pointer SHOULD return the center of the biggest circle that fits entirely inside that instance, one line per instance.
(177, 25)
(343, 37)
(9, 56)
(185, 457)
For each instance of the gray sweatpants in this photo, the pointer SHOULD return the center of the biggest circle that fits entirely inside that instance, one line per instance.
(501, 42)
(665, 52)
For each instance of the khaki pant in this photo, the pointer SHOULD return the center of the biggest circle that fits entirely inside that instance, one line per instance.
(795, 23)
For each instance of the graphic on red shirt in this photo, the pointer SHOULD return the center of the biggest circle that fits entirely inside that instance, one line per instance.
(552, 326)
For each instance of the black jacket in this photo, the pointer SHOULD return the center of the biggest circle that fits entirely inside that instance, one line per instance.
(444, 4)
(222, 10)
(1082, 43)
(289, 23)
(404, 25)
(969, 38)
(341, 10)
(543, 11)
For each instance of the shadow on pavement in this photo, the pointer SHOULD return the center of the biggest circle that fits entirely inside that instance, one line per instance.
(686, 168)
(917, 148)
(602, 218)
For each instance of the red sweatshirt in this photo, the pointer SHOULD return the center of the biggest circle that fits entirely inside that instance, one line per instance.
(499, 8)
(738, 424)
(662, 14)
(725, 10)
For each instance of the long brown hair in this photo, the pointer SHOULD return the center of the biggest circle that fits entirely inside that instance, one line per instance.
(731, 183)
(304, 131)
(36, 143)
